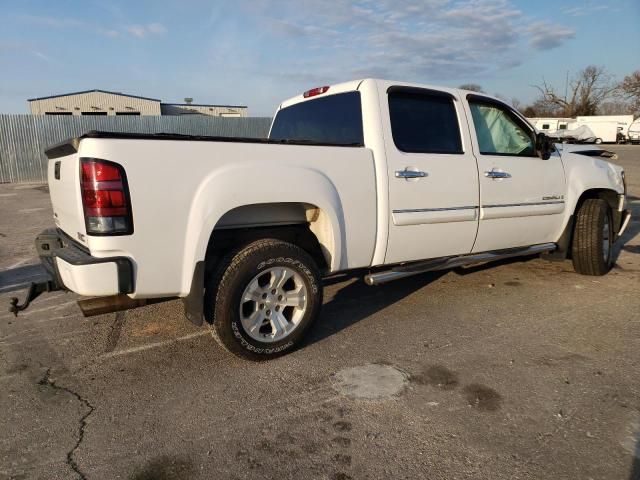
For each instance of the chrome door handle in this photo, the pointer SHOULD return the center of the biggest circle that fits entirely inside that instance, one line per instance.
(495, 174)
(410, 174)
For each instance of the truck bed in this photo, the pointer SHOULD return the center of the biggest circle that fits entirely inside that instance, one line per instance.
(182, 187)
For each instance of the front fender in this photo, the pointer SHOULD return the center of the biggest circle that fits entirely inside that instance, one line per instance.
(584, 173)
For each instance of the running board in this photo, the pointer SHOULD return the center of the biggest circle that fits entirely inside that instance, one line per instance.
(414, 268)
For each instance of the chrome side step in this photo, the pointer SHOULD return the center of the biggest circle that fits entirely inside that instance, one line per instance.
(413, 268)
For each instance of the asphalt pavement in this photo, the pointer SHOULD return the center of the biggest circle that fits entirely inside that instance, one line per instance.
(517, 371)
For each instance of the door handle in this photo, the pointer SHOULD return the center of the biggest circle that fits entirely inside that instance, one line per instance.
(410, 174)
(496, 174)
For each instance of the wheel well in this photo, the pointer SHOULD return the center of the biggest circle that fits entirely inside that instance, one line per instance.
(223, 241)
(566, 239)
(610, 196)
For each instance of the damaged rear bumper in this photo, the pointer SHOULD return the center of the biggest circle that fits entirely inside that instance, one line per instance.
(73, 268)
(68, 266)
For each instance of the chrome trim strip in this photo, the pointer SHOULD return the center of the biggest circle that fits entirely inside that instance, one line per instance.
(625, 222)
(419, 210)
(523, 204)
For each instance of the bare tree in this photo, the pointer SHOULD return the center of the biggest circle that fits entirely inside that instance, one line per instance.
(541, 108)
(586, 92)
(616, 107)
(630, 89)
(474, 87)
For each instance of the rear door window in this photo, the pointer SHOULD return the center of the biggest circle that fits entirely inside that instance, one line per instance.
(334, 119)
(423, 121)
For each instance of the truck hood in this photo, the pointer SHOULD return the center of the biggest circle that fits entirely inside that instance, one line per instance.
(588, 150)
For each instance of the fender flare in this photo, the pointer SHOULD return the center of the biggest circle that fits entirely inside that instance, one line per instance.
(250, 183)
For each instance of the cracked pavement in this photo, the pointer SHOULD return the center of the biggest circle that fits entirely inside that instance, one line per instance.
(523, 370)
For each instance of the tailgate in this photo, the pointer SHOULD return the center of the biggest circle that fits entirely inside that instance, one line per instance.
(64, 189)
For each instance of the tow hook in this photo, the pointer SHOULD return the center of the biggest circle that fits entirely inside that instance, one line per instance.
(35, 289)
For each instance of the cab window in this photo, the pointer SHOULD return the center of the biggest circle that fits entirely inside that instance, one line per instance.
(499, 131)
(424, 121)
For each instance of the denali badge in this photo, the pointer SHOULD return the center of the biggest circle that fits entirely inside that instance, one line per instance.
(553, 197)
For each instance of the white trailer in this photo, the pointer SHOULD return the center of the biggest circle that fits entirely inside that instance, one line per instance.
(633, 134)
(550, 124)
(623, 121)
(605, 132)
(606, 128)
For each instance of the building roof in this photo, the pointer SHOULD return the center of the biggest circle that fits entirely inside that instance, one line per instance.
(202, 105)
(94, 90)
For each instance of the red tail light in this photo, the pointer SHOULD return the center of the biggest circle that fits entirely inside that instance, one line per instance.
(315, 91)
(105, 198)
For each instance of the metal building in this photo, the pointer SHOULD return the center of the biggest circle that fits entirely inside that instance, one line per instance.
(94, 102)
(203, 109)
(106, 103)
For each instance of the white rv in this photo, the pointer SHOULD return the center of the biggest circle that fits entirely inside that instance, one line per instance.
(609, 128)
(605, 128)
(633, 134)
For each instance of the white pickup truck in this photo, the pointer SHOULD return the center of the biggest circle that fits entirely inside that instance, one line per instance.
(386, 178)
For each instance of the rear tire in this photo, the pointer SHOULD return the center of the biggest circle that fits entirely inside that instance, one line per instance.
(267, 294)
(591, 249)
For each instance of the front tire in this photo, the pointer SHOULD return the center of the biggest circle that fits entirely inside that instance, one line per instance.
(266, 296)
(592, 246)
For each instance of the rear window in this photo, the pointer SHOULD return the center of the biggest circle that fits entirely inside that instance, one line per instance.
(335, 119)
(424, 122)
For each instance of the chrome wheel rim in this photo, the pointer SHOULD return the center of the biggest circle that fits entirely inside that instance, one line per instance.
(273, 304)
(606, 239)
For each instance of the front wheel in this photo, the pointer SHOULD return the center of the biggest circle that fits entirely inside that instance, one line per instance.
(592, 246)
(266, 296)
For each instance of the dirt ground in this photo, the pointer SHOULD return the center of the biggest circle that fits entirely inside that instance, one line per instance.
(523, 370)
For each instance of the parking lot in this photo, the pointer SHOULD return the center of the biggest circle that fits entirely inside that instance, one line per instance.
(522, 370)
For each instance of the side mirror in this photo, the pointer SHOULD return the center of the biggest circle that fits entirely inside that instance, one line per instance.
(544, 146)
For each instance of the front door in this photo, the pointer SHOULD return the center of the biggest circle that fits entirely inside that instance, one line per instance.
(521, 196)
(433, 176)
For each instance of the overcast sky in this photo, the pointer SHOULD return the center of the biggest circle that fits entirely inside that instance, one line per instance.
(259, 52)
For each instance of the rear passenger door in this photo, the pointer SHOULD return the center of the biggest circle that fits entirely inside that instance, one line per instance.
(433, 177)
(521, 196)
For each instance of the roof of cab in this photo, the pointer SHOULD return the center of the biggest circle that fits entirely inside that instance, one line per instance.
(355, 84)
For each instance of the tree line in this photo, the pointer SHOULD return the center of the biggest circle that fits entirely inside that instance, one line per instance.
(592, 91)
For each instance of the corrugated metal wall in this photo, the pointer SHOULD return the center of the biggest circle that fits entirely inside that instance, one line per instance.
(23, 138)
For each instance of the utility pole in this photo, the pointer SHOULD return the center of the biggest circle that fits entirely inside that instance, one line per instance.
(566, 89)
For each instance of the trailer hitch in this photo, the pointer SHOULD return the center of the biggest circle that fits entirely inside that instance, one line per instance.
(35, 290)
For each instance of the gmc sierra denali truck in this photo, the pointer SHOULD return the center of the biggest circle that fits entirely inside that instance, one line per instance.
(384, 177)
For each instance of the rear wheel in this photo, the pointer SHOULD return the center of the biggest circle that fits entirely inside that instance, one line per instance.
(592, 246)
(266, 296)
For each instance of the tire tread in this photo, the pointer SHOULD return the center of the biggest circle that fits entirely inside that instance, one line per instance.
(226, 271)
(586, 250)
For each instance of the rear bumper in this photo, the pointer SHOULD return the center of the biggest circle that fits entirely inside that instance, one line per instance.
(73, 268)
